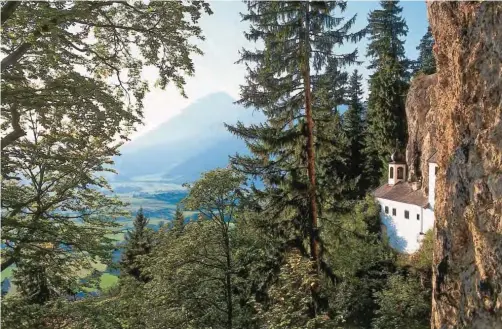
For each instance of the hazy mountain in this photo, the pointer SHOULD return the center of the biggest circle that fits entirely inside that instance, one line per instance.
(188, 144)
(215, 156)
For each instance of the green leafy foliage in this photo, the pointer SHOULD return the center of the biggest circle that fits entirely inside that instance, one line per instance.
(195, 260)
(360, 260)
(289, 302)
(56, 219)
(405, 301)
(72, 88)
(91, 55)
(92, 313)
(403, 304)
(195, 267)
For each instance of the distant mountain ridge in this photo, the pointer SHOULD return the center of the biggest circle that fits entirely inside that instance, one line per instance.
(194, 141)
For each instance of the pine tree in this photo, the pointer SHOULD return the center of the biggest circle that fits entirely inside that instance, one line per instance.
(297, 81)
(426, 62)
(137, 245)
(286, 88)
(354, 128)
(387, 87)
(178, 221)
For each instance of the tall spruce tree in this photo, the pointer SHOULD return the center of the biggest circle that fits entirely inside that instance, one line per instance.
(387, 86)
(284, 81)
(354, 128)
(138, 245)
(426, 62)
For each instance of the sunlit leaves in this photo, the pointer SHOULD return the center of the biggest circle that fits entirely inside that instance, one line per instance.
(84, 53)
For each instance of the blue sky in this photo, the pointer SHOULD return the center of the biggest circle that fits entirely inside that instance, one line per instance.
(216, 70)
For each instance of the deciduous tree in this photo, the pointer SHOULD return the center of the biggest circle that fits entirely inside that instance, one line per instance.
(215, 196)
(86, 58)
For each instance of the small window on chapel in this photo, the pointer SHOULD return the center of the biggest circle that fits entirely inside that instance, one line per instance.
(386, 209)
(393, 211)
(391, 172)
(418, 216)
(400, 173)
(406, 214)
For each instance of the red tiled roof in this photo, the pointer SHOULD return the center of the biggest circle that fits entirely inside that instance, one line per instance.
(401, 192)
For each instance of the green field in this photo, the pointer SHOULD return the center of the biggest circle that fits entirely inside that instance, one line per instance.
(107, 280)
(7, 273)
(117, 236)
(135, 203)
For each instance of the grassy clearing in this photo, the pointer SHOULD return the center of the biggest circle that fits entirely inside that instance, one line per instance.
(96, 265)
(107, 281)
(7, 273)
(117, 236)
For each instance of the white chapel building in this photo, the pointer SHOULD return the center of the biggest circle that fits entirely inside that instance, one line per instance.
(406, 211)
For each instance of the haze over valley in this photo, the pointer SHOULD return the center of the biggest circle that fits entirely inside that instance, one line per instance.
(194, 141)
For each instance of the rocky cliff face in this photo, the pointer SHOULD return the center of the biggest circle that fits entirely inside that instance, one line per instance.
(421, 113)
(467, 289)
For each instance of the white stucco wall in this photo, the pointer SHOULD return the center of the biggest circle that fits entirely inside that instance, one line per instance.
(403, 233)
(428, 220)
(432, 183)
(394, 180)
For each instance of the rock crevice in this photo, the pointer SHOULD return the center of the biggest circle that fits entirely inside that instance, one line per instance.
(422, 133)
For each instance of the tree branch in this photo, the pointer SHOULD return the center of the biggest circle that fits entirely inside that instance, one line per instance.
(14, 57)
(18, 131)
(112, 26)
(5, 264)
(8, 9)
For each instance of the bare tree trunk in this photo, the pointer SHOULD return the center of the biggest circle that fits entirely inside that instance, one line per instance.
(16, 55)
(17, 131)
(314, 249)
(7, 263)
(467, 273)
